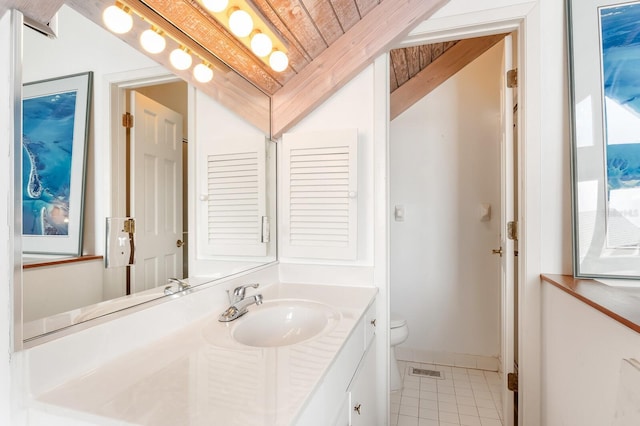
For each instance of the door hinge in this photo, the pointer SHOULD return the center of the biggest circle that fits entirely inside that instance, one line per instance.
(130, 226)
(512, 382)
(512, 78)
(512, 230)
(127, 120)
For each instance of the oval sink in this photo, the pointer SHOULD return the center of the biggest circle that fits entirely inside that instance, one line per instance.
(284, 323)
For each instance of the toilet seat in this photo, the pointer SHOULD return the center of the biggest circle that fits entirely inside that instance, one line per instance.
(397, 321)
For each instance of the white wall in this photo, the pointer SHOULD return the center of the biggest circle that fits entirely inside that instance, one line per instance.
(50, 290)
(445, 162)
(581, 359)
(350, 107)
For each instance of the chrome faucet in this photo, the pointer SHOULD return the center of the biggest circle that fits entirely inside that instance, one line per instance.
(182, 286)
(239, 292)
(240, 303)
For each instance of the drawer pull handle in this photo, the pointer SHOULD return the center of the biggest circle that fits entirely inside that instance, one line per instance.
(373, 322)
(357, 408)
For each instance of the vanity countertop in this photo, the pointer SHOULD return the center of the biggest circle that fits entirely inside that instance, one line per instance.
(202, 376)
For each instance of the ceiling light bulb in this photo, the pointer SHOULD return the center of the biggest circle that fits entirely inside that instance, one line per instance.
(261, 44)
(240, 23)
(203, 73)
(152, 42)
(215, 5)
(278, 61)
(180, 59)
(117, 20)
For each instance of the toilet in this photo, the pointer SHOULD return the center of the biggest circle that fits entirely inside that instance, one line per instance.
(398, 333)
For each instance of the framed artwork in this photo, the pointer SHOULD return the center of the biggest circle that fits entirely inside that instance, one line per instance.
(55, 129)
(604, 63)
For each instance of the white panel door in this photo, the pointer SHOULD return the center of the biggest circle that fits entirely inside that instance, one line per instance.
(508, 259)
(156, 192)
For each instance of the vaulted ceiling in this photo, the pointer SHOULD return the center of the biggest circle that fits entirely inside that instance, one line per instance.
(328, 42)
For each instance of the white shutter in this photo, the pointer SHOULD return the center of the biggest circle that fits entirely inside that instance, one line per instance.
(232, 184)
(319, 187)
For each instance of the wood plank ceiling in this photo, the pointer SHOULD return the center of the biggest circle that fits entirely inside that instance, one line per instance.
(306, 27)
(416, 71)
(407, 62)
(328, 42)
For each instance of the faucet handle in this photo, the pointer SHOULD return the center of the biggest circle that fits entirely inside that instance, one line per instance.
(239, 292)
(182, 284)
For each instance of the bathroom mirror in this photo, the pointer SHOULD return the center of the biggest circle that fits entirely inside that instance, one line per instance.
(606, 144)
(60, 292)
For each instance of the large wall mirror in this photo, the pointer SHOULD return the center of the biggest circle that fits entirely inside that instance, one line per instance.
(217, 191)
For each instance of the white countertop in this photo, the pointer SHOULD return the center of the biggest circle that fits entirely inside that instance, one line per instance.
(201, 376)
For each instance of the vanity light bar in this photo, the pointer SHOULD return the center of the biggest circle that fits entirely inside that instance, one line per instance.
(118, 19)
(250, 29)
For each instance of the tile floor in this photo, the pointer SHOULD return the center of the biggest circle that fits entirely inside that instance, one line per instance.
(464, 397)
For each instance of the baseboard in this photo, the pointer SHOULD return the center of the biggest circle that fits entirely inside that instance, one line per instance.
(480, 362)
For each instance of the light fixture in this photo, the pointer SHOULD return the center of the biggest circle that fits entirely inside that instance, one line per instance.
(261, 44)
(251, 30)
(117, 18)
(215, 5)
(180, 58)
(278, 61)
(240, 22)
(152, 41)
(203, 72)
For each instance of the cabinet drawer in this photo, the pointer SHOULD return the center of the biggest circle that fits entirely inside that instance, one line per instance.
(370, 324)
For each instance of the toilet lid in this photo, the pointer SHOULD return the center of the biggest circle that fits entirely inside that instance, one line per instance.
(397, 321)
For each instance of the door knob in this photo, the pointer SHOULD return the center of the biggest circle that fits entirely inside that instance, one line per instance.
(497, 251)
(179, 243)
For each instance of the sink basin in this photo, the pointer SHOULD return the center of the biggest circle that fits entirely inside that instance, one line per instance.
(284, 322)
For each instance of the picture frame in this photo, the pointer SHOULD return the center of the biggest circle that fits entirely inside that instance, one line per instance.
(604, 65)
(55, 133)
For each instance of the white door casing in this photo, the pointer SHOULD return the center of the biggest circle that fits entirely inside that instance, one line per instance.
(156, 192)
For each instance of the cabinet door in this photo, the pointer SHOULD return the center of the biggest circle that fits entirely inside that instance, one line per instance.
(342, 419)
(319, 195)
(363, 391)
(369, 324)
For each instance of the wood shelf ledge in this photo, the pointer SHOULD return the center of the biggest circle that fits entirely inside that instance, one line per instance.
(41, 262)
(619, 303)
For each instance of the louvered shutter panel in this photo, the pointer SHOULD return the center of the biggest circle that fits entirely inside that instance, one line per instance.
(320, 195)
(232, 180)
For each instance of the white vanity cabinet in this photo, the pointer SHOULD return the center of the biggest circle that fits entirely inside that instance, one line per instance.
(316, 382)
(349, 383)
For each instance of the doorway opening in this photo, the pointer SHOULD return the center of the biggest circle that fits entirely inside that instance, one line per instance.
(459, 190)
(149, 179)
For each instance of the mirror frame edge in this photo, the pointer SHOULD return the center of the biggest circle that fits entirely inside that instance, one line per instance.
(15, 237)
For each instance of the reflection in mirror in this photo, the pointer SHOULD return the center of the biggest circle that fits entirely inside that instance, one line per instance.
(218, 183)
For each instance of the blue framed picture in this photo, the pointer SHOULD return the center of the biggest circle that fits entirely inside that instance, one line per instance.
(55, 129)
(604, 68)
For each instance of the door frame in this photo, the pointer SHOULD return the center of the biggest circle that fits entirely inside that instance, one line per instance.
(117, 85)
(523, 20)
